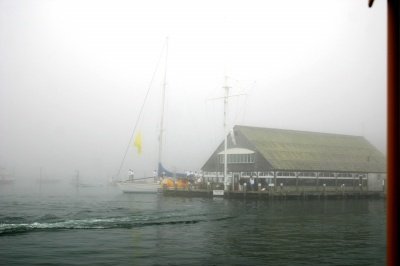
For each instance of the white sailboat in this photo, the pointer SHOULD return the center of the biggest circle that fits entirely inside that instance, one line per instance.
(150, 184)
(139, 186)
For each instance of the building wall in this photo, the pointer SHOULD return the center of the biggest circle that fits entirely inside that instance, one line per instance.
(376, 182)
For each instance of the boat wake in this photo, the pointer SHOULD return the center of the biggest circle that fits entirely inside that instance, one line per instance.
(94, 223)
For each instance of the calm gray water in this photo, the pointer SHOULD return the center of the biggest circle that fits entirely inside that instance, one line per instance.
(57, 224)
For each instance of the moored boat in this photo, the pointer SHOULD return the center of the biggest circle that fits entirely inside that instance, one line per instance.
(149, 184)
(138, 186)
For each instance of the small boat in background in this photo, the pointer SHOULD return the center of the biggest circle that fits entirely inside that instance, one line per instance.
(77, 182)
(5, 177)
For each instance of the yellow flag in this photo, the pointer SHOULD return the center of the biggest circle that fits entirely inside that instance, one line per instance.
(138, 142)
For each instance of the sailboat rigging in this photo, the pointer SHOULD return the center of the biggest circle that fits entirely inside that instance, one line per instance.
(149, 184)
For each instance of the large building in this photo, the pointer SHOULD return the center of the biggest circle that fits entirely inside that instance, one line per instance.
(297, 159)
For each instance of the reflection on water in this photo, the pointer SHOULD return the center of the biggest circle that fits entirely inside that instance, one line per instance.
(99, 224)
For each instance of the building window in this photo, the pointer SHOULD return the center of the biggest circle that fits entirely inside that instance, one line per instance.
(286, 174)
(307, 174)
(349, 175)
(326, 174)
(359, 175)
(237, 158)
(266, 174)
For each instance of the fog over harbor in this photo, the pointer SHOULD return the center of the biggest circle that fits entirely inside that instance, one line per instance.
(74, 75)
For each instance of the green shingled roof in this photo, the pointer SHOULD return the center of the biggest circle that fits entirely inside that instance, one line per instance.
(300, 150)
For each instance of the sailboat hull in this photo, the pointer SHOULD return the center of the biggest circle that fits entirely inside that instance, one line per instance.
(138, 187)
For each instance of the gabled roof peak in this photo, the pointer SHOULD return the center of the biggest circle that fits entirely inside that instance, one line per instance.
(239, 127)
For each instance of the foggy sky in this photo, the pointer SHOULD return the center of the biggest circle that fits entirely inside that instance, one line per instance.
(73, 75)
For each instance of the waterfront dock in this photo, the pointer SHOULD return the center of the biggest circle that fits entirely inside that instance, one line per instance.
(273, 194)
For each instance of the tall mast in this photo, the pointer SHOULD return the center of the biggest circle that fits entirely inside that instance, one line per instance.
(160, 140)
(226, 87)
